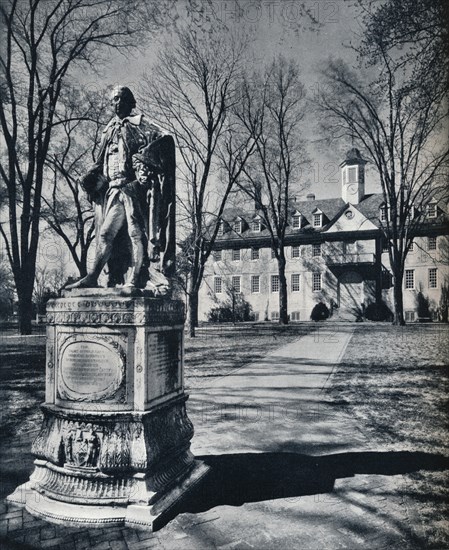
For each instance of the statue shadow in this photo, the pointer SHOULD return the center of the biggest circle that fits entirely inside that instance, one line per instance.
(236, 479)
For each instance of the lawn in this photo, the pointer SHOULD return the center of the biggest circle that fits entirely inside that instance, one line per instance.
(395, 381)
(218, 350)
(214, 352)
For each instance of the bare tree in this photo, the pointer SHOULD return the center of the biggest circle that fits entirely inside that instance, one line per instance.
(399, 118)
(190, 93)
(272, 112)
(6, 291)
(47, 284)
(417, 30)
(66, 209)
(42, 42)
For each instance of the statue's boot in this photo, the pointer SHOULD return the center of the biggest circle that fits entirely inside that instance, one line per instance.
(158, 282)
(89, 281)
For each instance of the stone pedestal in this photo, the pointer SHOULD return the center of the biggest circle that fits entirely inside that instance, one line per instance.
(114, 443)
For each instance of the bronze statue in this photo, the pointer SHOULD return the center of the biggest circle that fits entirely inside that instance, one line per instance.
(132, 184)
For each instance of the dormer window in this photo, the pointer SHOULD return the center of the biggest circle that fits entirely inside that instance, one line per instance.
(237, 226)
(432, 210)
(296, 221)
(383, 213)
(220, 229)
(256, 226)
(318, 219)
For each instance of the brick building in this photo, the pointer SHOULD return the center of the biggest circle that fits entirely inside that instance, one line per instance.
(335, 254)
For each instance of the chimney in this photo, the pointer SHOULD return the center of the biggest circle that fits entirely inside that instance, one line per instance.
(311, 197)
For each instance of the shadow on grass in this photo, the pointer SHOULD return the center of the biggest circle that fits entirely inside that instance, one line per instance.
(236, 479)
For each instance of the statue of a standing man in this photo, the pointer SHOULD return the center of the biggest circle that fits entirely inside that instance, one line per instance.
(132, 185)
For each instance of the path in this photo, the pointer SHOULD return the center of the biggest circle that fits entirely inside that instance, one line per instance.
(289, 469)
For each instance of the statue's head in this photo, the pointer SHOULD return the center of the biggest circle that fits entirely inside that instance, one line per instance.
(122, 101)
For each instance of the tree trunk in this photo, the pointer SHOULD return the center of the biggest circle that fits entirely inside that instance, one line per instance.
(193, 311)
(398, 300)
(283, 309)
(25, 313)
(24, 278)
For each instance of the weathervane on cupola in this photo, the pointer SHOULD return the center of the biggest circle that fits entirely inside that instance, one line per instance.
(353, 177)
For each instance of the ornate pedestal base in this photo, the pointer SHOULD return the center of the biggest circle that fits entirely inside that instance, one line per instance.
(114, 443)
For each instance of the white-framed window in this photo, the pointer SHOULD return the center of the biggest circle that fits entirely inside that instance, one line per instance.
(220, 229)
(352, 174)
(218, 255)
(433, 277)
(255, 254)
(409, 316)
(273, 255)
(316, 250)
(237, 226)
(296, 252)
(317, 219)
(218, 285)
(316, 282)
(383, 213)
(275, 315)
(275, 283)
(296, 221)
(409, 279)
(255, 284)
(432, 210)
(295, 316)
(296, 282)
(235, 281)
(256, 226)
(236, 254)
(431, 243)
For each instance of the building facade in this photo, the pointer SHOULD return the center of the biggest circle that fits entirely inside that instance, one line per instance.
(335, 252)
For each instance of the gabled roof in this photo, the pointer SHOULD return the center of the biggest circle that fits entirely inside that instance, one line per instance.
(329, 207)
(351, 220)
(370, 207)
(332, 209)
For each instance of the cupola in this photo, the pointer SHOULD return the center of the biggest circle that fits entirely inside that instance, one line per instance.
(353, 177)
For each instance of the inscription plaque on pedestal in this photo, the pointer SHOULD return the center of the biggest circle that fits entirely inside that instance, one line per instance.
(90, 370)
(164, 372)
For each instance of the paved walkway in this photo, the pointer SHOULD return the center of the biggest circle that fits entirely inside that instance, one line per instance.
(289, 469)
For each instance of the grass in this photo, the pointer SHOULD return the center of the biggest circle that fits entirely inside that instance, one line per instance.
(220, 349)
(214, 352)
(395, 381)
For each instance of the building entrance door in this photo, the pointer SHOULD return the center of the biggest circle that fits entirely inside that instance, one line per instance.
(351, 295)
